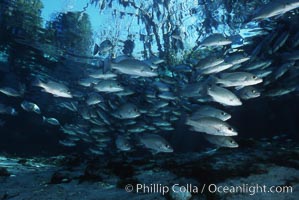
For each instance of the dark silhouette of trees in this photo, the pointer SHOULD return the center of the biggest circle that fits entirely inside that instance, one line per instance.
(71, 32)
(21, 18)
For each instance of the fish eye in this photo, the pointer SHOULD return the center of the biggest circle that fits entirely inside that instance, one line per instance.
(254, 77)
(167, 146)
(222, 113)
(232, 141)
(253, 91)
(230, 128)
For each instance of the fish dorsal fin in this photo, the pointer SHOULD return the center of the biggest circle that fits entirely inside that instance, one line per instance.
(239, 87)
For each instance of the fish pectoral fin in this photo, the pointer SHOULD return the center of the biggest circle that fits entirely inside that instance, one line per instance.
(278, 16)
(153, 152)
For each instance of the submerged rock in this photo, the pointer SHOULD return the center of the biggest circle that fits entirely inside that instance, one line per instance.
(177, 194)
(284, 181)
(60, 177)
(92, 172)
(4, 172)
(254, 163)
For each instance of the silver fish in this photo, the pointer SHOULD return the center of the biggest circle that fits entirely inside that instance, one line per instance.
(216, 69)
(209, 111)
(211, 125)
(104, 47)
(67, 143)
(94, 98)
(108, 86)
(54, 88)
(223, 96)
(238, 79)
(215, 40)
(51, 121)
(126, 111)
(88, 82)
(134, 67)
(209, 62)
(11, 92)
(222, 141)
(275, 8)
(283, 69)
(155, 143)
(122, 143)
(236, 58)
(248, 92)
(98, 74)
(30, 107)
(281, 40)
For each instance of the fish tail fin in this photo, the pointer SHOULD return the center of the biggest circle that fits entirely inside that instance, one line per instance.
(200, 72)
(96, 49)
(36, 82)
(107, 65)
(213, 80)
(44, 119)
(187, 120)
(13, 112)
(92, 85)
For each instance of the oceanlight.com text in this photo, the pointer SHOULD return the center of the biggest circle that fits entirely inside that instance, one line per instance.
(250, 189)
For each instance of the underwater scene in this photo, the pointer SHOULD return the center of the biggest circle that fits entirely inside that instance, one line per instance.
(149, 99)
